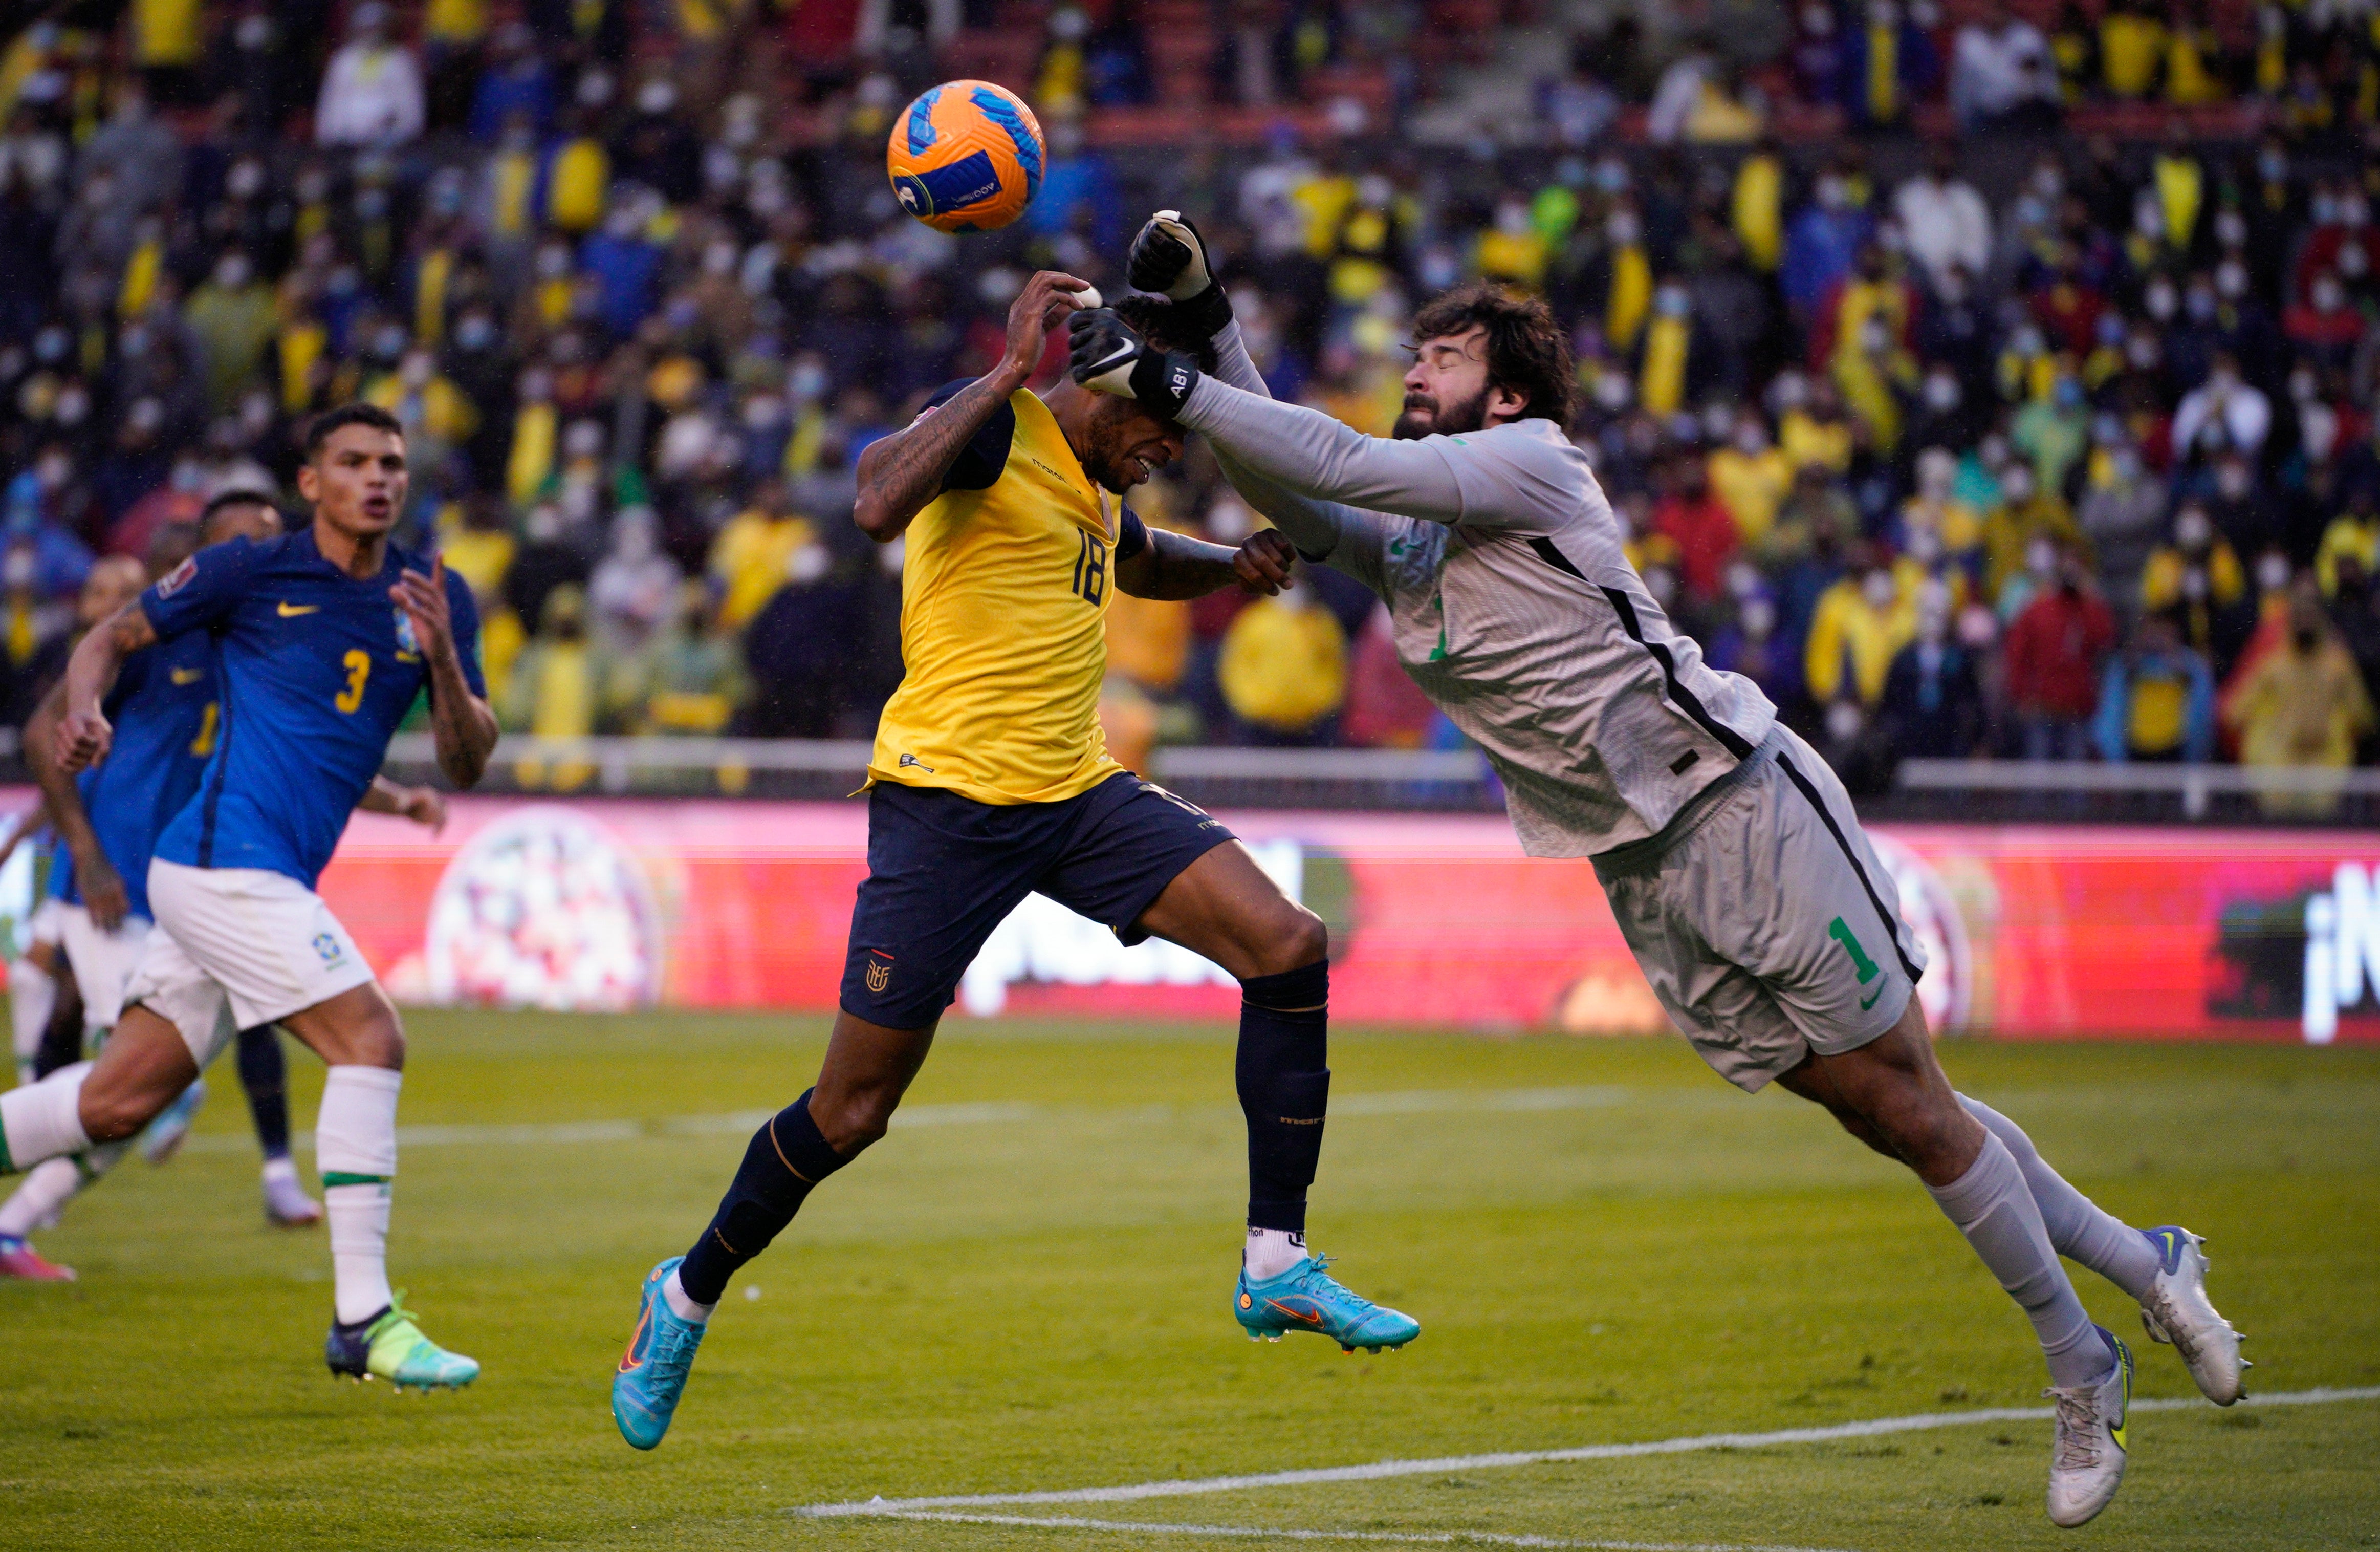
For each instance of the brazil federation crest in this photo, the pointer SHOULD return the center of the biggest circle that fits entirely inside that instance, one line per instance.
(405, 640)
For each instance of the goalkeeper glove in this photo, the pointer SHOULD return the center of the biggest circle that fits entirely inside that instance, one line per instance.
(1170, 257)
(1108, 357)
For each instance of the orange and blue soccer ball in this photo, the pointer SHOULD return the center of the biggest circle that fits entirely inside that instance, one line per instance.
(966, 156)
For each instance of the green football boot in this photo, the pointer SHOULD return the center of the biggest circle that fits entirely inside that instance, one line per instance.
(390, 1346)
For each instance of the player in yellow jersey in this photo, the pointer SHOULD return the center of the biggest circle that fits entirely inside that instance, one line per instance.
(991, 781)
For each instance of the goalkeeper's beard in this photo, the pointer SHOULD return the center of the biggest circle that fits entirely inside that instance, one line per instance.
(1454, 420)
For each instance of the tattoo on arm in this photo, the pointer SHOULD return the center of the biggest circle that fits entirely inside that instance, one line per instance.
(900, 473)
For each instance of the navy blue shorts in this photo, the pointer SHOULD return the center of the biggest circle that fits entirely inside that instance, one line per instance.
(944, 870)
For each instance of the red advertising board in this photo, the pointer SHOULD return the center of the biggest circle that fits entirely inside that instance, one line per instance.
(2049, 932)
(2030, 932)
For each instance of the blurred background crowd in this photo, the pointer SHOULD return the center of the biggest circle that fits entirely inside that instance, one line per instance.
(1981, 382)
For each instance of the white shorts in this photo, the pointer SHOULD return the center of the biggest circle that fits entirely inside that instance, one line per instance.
(102, 961)
(42, 926)
(259, 941)
(1764, 920)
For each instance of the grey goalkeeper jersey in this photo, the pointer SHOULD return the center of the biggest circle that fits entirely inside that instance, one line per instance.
(1515, 610)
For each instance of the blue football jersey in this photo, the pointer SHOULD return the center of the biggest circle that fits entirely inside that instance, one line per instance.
(165, 716)
(316, 669)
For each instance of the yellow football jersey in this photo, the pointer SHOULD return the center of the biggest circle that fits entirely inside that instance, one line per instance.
(1004, 597)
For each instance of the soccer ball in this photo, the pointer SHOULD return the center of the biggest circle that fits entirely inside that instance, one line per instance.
(966, 156)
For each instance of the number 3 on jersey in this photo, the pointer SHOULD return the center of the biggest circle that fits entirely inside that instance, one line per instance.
(358, 664)
(1091, 568)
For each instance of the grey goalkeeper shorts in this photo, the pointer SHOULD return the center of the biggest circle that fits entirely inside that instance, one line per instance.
(1764, 920)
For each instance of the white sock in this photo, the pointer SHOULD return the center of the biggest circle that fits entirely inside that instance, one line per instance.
(47, 1187)
(355, 1147)
(680, 1305)
(32, 993)
(2001, 1219)
(281, 1169)
(1272, 1251)
(44, 1119)
(2079, 1228)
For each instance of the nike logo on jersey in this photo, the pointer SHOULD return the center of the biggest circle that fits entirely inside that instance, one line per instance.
(909, 760)
(188, 676)
(290, 611)
(1869, 1001)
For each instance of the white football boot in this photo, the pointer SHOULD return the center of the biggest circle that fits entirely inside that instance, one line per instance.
(2086, 1459)
(2177, 1312)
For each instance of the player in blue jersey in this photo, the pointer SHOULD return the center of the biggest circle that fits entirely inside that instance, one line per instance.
(323, 640)
(166, 716)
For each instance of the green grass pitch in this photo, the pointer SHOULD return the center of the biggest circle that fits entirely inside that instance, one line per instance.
(1025, 1287)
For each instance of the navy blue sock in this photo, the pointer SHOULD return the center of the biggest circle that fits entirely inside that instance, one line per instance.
(786, 1158)
(1284, 1080)
(264, 1073)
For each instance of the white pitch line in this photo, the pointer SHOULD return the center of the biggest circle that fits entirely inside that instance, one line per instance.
(1268, 1533)
(1409, 1102)
(1380, 1470)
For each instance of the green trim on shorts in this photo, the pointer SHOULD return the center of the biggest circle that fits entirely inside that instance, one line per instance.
(342, 1178)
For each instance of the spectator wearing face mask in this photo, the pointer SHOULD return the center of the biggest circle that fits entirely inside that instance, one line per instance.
(1861, 623)
(2053, 652)
(2352, 537)
(1668, 351)
(687, 679)
(233, 317)
(1943, 220)
(1751, 476)
(2301, 704)
(372, 92)
(1937, 514)
(2003, 76)
(2323, 330)
(1824, 241)
(2026, 514)
(1932, 706)
(2239, 411)
(2241, 510)
(2344, 242)
(2156, 699)
(1694, 518)
(2123, 517)
(1889, 65)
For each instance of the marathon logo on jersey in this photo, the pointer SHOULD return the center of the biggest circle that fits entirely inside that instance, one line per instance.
(178, 578)
(332, 951)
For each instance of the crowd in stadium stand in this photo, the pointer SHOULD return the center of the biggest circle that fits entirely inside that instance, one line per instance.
(2084, 469)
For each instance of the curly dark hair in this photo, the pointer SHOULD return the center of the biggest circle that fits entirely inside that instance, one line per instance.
(1528, 351)
(1160, 323)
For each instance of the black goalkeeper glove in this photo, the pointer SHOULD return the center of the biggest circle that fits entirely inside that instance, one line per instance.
(1170, 257)
(1108, 357)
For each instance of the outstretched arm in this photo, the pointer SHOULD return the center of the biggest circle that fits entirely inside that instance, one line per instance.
(1309, 454)
(1176, 565)
(900, 473)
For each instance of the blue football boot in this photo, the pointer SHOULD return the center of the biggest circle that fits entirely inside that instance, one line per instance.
(172, 1126)
(390, 1346)
(1307, 1298)
(652, 1372)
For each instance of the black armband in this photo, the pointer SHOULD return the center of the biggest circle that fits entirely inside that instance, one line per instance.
(1132, 536)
